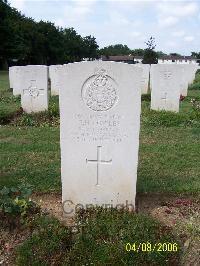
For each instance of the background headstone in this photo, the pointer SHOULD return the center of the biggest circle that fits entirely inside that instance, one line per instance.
(150, 74)
(16, 79)
(145, 78)
(11, 71)
(184, 81)
(100, 120)
(165, 94)
(34, 96)
(53, 75)
(193, 69)
(188, 76)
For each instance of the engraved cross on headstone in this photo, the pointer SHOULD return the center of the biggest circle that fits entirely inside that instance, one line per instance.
(33, 90)
(98, 161)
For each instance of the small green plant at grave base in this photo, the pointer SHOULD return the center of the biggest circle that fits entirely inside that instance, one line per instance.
(104, 234)
(26, 120)
(42, 119)
(15, 205)
(47, 118)
(48, 245)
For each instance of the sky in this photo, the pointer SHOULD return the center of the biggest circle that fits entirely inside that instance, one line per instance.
(175, 24)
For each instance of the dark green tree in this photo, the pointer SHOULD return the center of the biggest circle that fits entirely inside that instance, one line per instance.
(117, 49)
(9, 45)
(90, 47)
(160, 54)
(175, 54)
(138, 52)
(196, 55)
(25, 41)
(150, 55)
(52, 43)
(72, 45)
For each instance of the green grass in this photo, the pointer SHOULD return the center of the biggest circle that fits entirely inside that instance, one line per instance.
(48, 245)
(169, 160)
(169, 156)
(100, 238)
(8, 103)
(4, 84)
(32, 155)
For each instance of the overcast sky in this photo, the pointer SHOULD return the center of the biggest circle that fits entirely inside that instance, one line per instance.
(174, 24)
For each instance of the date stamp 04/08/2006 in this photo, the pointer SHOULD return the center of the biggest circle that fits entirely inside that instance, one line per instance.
(150, 247)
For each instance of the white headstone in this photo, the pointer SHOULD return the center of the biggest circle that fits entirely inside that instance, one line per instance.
(15, 76)
(194, 69)
(184, 81)
(150, 74)
(145, 78)
(100, 120)
(188, 76)
(11, 71)
(55, 82)
(165, 94)
(34, 96)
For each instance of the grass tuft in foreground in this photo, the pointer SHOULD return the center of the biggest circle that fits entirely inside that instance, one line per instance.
(100, 238)
(48, 245)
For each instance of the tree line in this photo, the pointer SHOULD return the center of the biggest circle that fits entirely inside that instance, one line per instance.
(120, 49)
(24, 41)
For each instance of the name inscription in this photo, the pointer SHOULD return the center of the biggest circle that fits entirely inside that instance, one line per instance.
(98, 127)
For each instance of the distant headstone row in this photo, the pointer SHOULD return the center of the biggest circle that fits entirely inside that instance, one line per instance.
(167, 83)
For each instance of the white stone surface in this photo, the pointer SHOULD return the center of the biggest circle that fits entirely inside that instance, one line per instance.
(189, 72)
(151, 70)
(193, 74)
(53, 75)
(34, 96)
(184, 81)
(165, 92)
(15, 77)
(11, 71)
(188, 76)
(193, 69)
(100, 120)
(145, 78)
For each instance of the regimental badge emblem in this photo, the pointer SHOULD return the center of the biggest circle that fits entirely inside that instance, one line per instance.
(99, 91)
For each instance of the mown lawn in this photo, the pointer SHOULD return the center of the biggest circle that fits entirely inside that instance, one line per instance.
(169, 157)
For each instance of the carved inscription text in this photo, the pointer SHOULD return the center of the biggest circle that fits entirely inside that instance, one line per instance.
(98, 127)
